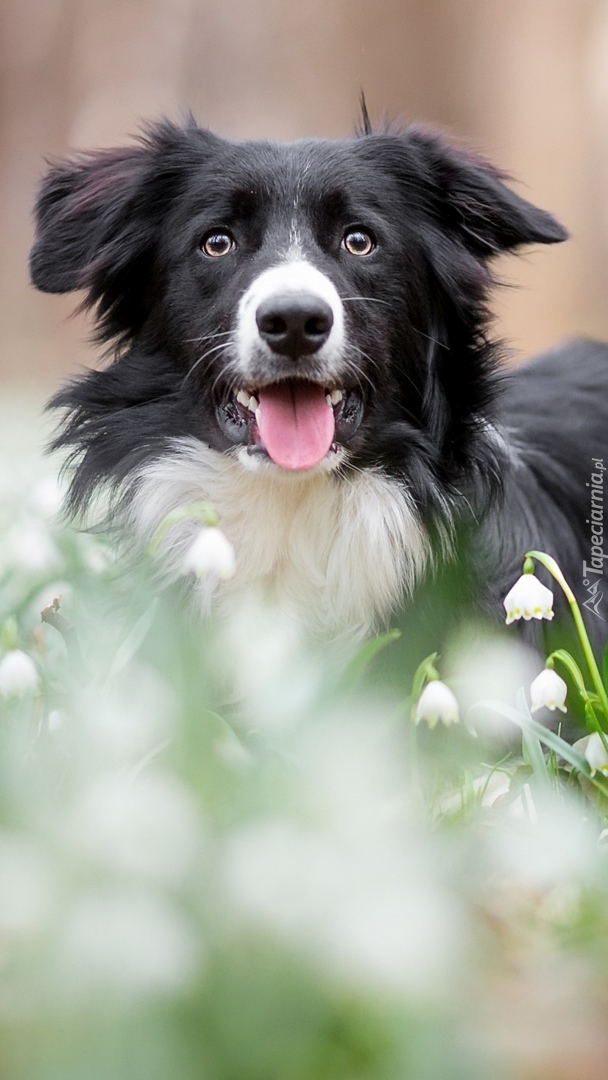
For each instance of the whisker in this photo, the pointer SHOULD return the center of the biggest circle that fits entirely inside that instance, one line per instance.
(434, 341)
(365, 355)
(367, 299)
(232, 382)
(223, 346)
(354, 370)
(208, 337)
(375, 364)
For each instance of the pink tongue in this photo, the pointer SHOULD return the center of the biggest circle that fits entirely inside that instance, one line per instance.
(296, 424)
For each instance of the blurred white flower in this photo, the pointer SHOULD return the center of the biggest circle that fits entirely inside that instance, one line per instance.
(29, 548)
(96, 555)
(133, 717)
(548, 691)
(130, 941)
(270, 665)
(55, 721)
(594, 752)
(150, 826)
(551, 843)
(18, 674)
(46, 497)
(28, 887)
(437, 703)
(397, 937)
(350, 905)
(489, 667)
(210, 553)
(282, 873)
(528, 599)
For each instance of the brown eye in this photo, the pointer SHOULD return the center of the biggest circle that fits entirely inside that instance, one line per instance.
(217, 244)
(358, 242)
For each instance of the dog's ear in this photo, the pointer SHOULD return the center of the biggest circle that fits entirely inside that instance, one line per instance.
(98, 220)
(470, 198)
(88, 218)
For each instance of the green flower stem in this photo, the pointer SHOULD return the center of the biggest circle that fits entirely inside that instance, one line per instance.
(425, 672)
(551, 565)
(572, 667)
(198, 511)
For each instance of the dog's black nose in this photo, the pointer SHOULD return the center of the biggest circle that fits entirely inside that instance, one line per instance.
(294, 324)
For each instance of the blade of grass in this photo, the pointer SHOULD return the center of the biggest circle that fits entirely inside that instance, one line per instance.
(548, 738)
(533, 745)
(364, 656)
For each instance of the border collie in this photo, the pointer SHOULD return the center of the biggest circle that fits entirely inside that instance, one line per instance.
(299, 334)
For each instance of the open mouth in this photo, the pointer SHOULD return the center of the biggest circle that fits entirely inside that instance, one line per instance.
(295, 422)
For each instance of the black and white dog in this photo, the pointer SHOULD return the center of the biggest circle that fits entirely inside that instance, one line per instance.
(299, 335)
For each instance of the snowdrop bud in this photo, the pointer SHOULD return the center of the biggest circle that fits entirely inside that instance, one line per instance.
(595, 753)
(548, 691)
(18, 674)
(437, 702)
(528, 599)
(210, 553)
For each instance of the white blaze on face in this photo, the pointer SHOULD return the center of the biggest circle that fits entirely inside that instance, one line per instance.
(290, 277)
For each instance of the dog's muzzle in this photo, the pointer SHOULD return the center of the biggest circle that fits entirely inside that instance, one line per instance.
(296, 405)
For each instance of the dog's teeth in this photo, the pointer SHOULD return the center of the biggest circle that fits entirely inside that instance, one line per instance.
(253, 404)
(257, 414)
(243, 398)
(335, 397)
(328, 400)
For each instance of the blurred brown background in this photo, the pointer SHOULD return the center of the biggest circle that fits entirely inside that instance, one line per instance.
(525, 81)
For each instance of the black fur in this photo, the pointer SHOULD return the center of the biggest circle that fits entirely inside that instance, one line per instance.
(125, 226)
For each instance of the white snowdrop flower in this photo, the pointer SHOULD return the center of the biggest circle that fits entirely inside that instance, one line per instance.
(594, 752)
(210, 553)
(437, 703)
(18, 674)
(528, 599)
(548, 691)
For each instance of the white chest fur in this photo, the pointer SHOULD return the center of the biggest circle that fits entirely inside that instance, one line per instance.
(335, 553)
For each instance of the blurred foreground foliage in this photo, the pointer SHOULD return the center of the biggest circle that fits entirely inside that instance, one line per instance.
(221, 857)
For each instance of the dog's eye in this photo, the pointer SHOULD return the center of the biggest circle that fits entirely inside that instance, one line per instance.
(358, 242)
(217, 244)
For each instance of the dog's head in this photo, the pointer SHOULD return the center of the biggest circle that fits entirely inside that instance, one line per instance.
(300, 305)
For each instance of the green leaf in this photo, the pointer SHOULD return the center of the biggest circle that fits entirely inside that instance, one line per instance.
(548, 738)
(364, 656)
(133, 641)
(533, 746)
